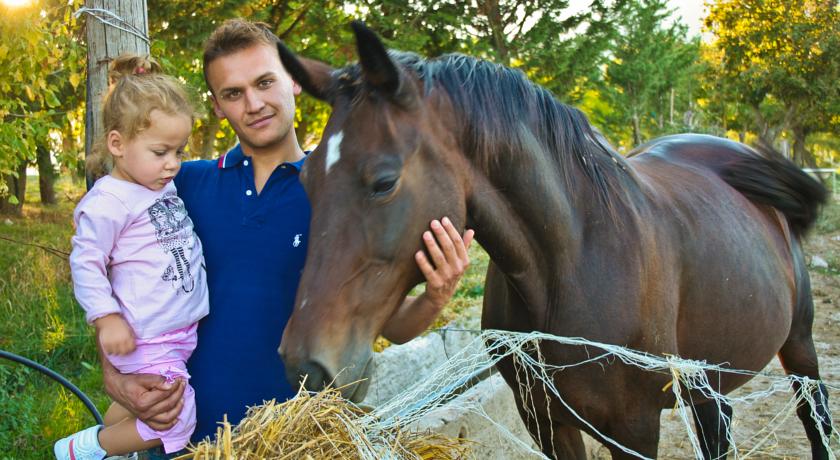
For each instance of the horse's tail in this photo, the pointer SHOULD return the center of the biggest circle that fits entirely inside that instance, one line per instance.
(773, 180)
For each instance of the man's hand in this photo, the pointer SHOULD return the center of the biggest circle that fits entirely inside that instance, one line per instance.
(147, 396)
(115, 334)
(449, 260)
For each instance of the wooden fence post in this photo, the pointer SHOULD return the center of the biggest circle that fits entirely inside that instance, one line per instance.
(114, 27)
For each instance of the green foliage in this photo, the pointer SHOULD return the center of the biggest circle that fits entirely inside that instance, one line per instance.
(42, 322)
(781, 59)
(650, 63)
(41, 65)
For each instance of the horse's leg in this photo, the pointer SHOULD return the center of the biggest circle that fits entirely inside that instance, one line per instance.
(713, 423)
(799, 358)
(636, 430)
(554, 439)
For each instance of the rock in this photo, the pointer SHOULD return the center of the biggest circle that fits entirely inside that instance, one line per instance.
(8, 222)
(818, 262)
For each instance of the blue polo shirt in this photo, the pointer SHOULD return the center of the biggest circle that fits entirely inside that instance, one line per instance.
(254, 247)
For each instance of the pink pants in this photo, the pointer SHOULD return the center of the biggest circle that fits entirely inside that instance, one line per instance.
(165, 355)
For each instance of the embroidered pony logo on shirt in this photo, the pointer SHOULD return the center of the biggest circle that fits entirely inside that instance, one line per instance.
(173, 230)
(296, 241)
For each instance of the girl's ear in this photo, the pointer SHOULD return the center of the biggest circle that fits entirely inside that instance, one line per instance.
(114, 142)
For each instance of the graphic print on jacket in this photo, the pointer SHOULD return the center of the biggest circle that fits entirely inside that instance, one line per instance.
(174, 232)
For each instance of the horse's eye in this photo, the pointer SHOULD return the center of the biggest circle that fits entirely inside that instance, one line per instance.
(384, 186)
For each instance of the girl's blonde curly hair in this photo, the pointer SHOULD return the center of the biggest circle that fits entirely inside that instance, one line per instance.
(138, 86)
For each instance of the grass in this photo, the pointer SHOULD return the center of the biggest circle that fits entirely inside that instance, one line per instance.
(42, 322)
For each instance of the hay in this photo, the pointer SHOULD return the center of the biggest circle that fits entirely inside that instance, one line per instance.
(320, 426)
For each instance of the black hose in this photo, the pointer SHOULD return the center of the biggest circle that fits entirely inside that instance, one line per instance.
(58, 378)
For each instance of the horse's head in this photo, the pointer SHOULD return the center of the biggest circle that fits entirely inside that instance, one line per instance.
(384, 169)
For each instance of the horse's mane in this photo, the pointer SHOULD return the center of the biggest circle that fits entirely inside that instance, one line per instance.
(494, 103)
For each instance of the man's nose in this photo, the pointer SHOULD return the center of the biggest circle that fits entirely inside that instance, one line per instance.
(253, 102)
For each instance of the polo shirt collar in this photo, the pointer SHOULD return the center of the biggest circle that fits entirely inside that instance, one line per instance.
(235, 156)
(232, 158)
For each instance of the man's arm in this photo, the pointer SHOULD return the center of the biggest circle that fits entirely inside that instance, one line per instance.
(147, 396)
(449, 261)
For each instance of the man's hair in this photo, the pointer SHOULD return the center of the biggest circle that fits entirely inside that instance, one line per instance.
(235, 35)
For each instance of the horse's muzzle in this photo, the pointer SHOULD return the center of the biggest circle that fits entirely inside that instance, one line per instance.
(312, 375)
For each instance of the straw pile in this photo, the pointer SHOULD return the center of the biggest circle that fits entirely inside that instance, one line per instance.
(321, 426)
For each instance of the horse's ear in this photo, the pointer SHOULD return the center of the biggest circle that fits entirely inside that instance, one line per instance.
(313, 76)
(380, 71)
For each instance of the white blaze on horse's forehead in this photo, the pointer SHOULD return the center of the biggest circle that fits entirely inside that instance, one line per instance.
(334, 149)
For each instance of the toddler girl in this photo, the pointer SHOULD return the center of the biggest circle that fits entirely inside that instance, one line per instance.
(137, 265)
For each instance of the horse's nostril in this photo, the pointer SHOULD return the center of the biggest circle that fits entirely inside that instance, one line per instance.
(315, 374)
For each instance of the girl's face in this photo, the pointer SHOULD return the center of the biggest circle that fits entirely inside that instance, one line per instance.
(153, 156)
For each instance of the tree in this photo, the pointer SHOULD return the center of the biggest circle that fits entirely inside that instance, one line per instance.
(783, 56)
(649, 80)
(556, 47)
(38, 66)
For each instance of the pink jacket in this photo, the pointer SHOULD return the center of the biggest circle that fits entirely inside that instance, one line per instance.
(135, 253)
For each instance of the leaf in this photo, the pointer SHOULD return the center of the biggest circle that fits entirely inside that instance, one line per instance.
(75, 79)
(52, 100)
(29, 93)
(13, 200)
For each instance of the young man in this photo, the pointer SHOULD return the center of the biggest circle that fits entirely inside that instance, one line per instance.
(252, 216)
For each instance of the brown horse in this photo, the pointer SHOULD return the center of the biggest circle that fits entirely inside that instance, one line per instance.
(691, 247)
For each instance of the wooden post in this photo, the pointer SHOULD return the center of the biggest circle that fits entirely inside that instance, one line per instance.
(106, 42)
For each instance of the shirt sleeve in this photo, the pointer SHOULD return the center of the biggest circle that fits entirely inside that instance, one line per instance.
(99, 223)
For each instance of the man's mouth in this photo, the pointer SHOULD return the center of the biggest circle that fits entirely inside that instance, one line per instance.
(260, 122)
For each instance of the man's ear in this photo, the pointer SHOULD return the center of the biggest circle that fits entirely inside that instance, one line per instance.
(114, 142)
(216, 108)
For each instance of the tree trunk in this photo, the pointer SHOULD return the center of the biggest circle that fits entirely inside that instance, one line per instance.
(46, 175)
(801, 155)
(17, 189)
(106, 42)
(492, 11)
(207, 149)
(637, 135)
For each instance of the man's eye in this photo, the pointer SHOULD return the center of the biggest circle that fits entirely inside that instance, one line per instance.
(266, 83)
(232, 95)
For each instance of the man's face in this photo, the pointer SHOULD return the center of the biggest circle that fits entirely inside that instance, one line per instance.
(256, 95)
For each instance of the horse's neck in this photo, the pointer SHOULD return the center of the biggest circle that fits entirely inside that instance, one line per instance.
(529, 224)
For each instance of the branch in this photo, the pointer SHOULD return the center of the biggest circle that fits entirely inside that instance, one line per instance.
(291, 27)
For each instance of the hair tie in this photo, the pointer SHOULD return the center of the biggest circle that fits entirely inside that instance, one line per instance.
(139, 70)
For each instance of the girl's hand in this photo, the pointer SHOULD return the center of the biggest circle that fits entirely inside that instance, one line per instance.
(115, 335)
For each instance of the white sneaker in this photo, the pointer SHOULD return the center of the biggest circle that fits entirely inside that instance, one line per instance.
(83, 445)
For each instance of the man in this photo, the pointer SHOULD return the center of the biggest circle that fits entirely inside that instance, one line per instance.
(252, 216)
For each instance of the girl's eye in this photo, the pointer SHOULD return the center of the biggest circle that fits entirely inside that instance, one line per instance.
(179, 152)
(160, 153)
